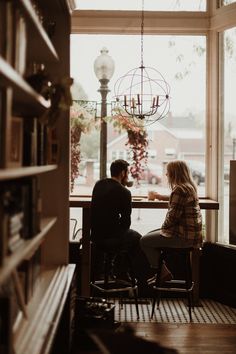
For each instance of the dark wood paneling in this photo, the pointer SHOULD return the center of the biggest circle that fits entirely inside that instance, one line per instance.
(217, 273)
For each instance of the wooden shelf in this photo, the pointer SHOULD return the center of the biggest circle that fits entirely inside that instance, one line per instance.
(27, 248)
(37, 322)
(26, 100)
(44, 311)
(40, 46)
(15, 173)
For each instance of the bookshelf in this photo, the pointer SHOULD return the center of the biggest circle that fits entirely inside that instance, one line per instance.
(34, 203)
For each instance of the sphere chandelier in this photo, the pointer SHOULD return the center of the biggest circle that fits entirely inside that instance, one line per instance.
(142, 93)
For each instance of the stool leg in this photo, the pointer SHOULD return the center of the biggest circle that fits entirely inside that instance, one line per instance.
(190, 305)
(106, 270)
(158, 280)
(189, 283)
(153, 306)
(133, 282)
(157, 297)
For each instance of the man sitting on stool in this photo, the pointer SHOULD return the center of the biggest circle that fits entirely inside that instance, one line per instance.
(111, 213)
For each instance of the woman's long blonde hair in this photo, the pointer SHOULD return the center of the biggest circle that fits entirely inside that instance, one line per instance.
(178, 174)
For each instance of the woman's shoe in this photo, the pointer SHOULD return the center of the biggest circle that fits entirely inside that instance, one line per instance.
(152, 279)
(166, 275)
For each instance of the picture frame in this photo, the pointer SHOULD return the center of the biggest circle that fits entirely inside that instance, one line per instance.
(16, 142)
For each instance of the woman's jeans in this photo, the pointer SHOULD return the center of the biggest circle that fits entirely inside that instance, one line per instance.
(151, 242)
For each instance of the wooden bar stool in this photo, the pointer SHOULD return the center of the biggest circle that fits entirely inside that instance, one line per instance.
(184, 286)
(113, 285)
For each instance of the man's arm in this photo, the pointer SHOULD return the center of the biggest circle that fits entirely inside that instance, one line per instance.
(125, 217)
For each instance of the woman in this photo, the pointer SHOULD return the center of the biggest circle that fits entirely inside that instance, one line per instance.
(183, 222)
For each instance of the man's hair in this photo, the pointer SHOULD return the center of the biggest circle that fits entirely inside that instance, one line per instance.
(117, 167)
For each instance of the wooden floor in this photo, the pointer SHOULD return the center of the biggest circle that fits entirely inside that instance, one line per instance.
(191, 338)
(185, 338)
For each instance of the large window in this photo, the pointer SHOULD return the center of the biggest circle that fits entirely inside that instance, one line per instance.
(181, 59)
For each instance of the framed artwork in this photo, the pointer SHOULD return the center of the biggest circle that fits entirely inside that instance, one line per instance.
(16, 142)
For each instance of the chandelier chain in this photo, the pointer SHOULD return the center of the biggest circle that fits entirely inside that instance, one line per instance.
(142, 32)
(142, 93)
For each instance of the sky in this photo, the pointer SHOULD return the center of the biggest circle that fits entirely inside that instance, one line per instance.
(158, 5)
(187, 95)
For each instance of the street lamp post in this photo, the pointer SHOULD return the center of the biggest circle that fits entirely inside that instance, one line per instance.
(234, 148)
(233, 137)
(104, 68)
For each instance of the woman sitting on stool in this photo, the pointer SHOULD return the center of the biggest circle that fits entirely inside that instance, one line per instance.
(182, 227)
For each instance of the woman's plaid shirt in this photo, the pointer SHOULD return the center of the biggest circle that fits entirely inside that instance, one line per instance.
(183, 218)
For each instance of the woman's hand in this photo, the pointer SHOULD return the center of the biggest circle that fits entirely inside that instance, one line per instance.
(161, 196)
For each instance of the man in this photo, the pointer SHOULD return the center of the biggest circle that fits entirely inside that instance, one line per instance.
(111, 211)
(110, 224)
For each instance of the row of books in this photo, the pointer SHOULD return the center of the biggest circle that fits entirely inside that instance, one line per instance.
(13, 36)
(20, 211)
(31, 143)
(29, 271)
(40, 143)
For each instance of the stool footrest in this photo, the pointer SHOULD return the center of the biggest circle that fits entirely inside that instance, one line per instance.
(169, 286)
(114, 285)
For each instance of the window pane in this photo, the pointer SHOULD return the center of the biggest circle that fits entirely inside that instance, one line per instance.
(154, 5)
(181, 135)
(227, 2)
(229, 118)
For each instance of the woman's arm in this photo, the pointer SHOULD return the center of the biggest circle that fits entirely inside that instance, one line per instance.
(175, 210)
(161, 196)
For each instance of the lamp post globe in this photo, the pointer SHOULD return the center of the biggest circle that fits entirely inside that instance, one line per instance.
(104, 69)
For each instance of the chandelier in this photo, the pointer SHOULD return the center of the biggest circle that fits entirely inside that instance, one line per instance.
(142, 93)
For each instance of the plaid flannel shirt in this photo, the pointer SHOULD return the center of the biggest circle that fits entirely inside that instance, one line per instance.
(183, 218)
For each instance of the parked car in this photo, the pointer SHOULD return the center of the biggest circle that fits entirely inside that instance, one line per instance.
(197, 169)
(152, 174)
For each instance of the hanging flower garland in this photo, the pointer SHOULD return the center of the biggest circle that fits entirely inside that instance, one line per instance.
(137, 143)
(82, 121)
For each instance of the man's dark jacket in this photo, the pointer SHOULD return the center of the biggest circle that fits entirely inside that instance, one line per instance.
(110, 210)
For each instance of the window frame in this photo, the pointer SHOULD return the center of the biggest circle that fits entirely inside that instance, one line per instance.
(210, 24)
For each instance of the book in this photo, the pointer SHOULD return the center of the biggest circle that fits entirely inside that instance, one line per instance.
(9, 31)
(20, 42)
(15, 223)
(9, 312)
(42, 144)
(3, 234)
(30, 151)
(30, 205)
(2, 28)
(20, 201)
(53, 150)
(2, 125)
(6, 324)
(25, 276)
(6, 30)
(29, 274)
(16, 142)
